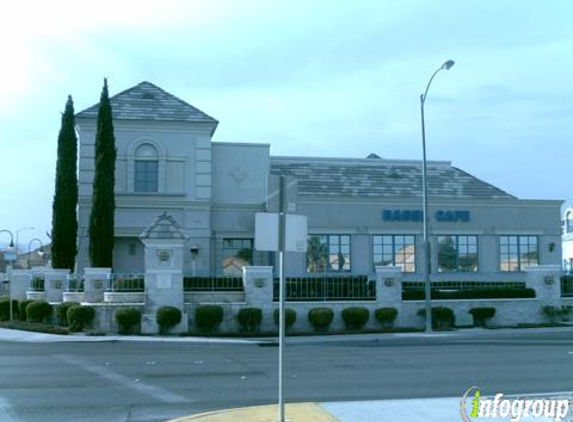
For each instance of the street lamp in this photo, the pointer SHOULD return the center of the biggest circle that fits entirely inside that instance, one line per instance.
(10, 255)
(17, 237)
(427, 256)
(40, 252)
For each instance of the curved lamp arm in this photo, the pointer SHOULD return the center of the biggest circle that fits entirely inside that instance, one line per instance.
(447, 65)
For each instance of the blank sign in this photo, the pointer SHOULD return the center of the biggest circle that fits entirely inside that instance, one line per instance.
(267, 232)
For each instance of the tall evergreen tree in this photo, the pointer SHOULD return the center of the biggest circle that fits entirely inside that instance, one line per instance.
(101, 231)
(64, 216)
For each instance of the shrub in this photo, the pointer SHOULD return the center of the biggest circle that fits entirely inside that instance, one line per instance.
(290, 317)
(481, 315)
(485, 293)
(167, 318)
(22, 305)
(208, 317)
(320, 318)
(34, 326)
(38, 311)
(557, 313)
(250, 319)
(442, 317)
(79, 317)
(127, 319)
(386, 316)
(62, 312)
(355, 317)
(5, 309)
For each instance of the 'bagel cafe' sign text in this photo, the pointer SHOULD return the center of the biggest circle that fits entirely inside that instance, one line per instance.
(442, 216)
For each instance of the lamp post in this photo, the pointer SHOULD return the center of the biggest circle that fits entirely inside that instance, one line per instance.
(427, 255)
(40, 252)
(17, 237)
(10, 255)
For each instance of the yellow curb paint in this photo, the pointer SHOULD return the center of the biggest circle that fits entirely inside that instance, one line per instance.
(295, 412)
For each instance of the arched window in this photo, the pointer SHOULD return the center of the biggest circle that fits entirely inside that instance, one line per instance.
(146, 169)
(569, 222)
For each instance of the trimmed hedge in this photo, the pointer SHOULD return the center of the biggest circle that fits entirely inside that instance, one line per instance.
(5, 309)
(355, 317)
(62, 312)
(127, 319)
(79, 317)
(481, 315)
(320, 318)
(38, 311)
(208, 317)
(22, 305)
(250, 319)
(290, 317)
(167, 318)
(386, 316)
(35, 327)
(442, 317)
(486, 293)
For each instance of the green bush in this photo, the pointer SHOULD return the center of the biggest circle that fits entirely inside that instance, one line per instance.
(290, 317)
(80, 317)
(208, 317)
(485, 293)
(442, 317)
(38, 311)
(320, 318)
(62, 312)
(481, 315)
(355, 317)
(5, 309)
(127, 319)
(386, 316)
(22, 305)
(250, 319)
(557, 313)
(34, 326)
(167, 318)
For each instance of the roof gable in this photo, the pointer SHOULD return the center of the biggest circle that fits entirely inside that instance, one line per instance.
(147, 101)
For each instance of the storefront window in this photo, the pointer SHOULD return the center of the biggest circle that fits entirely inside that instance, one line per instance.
(457, 253)
(399, 250)
(237, 253)
(327, 253)
(517, 252)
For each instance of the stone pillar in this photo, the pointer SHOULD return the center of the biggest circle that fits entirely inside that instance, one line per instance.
(258, 285)
(95, 283)
(163, 242)
(546, 280)
(20, 281)
(54, 285)
(389, 286)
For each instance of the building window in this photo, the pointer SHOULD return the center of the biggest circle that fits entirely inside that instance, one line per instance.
(132, 249)
(328, 253)
(146, 169)
(457, 253)
(517, 252)
(569, 222)
(396, 250)
(237, 253)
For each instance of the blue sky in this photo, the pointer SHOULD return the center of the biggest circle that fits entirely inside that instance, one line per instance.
(320, 78)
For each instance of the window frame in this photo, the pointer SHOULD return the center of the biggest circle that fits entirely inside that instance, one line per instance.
(393, 252)
(326, 254)
(148, 184)
(518, 251)
(459, 256)
(226, 249)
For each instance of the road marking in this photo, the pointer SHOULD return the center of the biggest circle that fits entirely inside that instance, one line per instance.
(5, 411)
(150, 390)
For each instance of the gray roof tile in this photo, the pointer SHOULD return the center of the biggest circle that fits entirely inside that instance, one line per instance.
(330, 177)
(147, 101)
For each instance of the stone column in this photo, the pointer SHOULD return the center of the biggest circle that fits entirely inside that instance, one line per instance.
(258, 285)
(95, 284)
(546, 280)
(389, 286)
(20, 281)
(55, 284)
(163, 242)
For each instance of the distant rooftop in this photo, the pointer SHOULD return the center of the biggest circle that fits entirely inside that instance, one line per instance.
(376, 177)
(147, 101)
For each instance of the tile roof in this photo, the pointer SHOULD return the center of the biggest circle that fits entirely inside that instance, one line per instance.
(147, 101)
(373, 177)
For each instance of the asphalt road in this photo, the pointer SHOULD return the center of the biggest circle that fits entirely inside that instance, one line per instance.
(144, 381)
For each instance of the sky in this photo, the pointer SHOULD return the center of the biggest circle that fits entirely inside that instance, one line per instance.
(313, 78)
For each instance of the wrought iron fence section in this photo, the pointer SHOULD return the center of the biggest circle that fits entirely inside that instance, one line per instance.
(129, 282)
(73, 284)
(327, 288)
(36, 283)
(567, 286)
(212, 284)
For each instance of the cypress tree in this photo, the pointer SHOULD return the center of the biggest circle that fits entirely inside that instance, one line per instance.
(101, 227)
(64, 218)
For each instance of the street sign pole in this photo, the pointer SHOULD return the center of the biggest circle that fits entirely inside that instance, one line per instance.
(282, 243)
